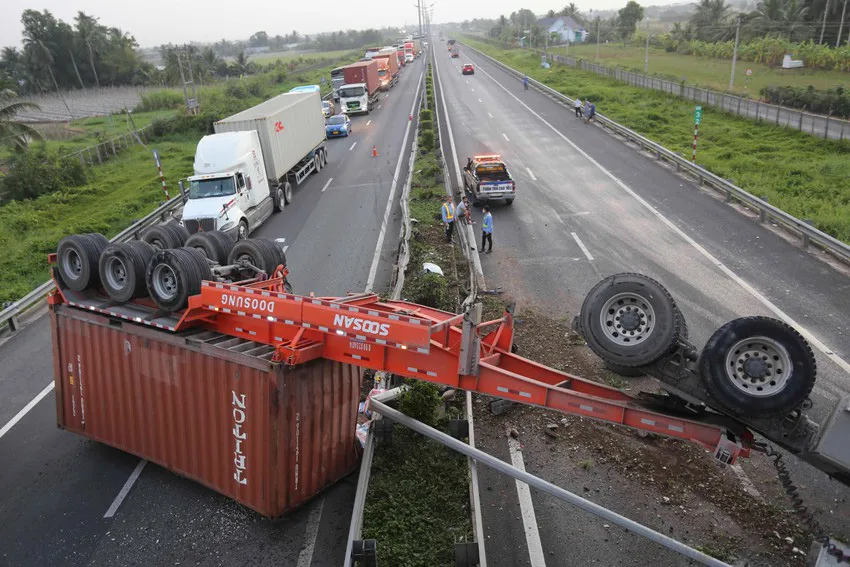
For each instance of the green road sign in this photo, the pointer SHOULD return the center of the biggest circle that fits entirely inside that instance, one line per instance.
(698, 115)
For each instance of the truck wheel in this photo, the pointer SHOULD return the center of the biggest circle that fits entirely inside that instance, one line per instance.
(77, 258)
(261, 253)
(630, 320)
(242, 231)
(214, 245)
(287, 192)
(758, 366)
(122, 269)
(509, 202)
(181, 235)
(164, 237)
(277, 199)
(175, 275)
(317, 161)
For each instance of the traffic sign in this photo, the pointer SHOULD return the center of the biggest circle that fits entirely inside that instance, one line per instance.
(698, 115)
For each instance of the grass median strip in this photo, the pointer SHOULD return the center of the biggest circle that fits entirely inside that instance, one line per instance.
(801, 174)
(417, 507)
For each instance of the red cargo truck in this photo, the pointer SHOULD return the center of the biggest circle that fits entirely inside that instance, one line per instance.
(400, 53)
(359, 93)
(409, 52)
(388, 63)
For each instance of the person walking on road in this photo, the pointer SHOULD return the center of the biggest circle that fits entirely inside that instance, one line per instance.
(589, 111)
(448, 213)
(463, 215)
(525, 82)
(577, 106)
(487, 230)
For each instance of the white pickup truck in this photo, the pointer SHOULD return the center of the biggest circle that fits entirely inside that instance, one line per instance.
(246, 170)
(486, 178)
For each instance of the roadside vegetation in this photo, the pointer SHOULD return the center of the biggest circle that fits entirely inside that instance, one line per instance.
(56, 197)
(417, 507)
(804, 175)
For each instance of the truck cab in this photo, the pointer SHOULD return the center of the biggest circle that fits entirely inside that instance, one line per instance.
(354, 98)
(229, 191)
(486, 178)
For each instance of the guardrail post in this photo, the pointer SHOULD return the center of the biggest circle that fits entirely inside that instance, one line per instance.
(826, 128)
(763, 212)
(800, 123)
(728, 196)
(13, 323)
(806, 239)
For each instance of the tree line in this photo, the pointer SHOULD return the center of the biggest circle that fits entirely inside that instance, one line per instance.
(820, 21)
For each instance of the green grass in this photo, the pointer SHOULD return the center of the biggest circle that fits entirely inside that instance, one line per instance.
(79, 134)
(121, 190)
(806, 176)
(705, 71)
(287, 56)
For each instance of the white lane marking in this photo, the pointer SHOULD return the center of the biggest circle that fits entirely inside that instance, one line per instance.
(379, 107)
(506, 137)
(479, 100)
(817, 343)
(473, 90)
(490, 115)
(528, 169)
(529, 520)
(20, 415)
(305, 558)
(352, 146)
(582, 246)
(373, 271)
(285, 248)
(368, 123)
(125, 489)
(329, 180)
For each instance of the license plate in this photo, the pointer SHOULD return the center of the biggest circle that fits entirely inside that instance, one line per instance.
(336, 131)
(493, 194)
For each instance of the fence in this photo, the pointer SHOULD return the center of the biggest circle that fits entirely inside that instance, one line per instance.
(101, 152)
(808, 234)
(814, 124)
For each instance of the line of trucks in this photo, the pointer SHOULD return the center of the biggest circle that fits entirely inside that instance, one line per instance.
(247, 169)
(356, 86)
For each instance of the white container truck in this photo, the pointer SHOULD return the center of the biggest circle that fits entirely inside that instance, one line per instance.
(246, 170)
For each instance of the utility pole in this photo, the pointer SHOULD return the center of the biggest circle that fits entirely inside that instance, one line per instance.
(823, 27)
(646, 55)
(735, 52)
(597, 38)
(841, 25)
(419, 12)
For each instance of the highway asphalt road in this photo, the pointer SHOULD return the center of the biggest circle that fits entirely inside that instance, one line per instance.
(58, 486)
(589, 206)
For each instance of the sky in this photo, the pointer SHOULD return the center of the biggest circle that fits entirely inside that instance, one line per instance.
(154, 22)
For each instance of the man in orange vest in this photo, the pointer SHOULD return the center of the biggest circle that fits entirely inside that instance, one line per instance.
(448, 213)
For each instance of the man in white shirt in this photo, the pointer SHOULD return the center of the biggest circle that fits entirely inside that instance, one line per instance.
(577, 106)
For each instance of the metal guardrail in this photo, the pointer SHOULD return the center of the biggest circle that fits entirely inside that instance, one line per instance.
(808, 234)
(163, 213)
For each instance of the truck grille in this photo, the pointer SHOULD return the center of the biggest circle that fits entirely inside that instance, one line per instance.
(194, 225)
(353, 105)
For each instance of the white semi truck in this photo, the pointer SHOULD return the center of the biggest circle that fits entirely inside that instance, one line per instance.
(246, 170)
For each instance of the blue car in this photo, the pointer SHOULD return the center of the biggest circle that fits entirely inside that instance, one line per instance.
(339, 125)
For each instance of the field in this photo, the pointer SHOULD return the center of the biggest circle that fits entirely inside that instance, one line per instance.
(72, 136)
(704, 71)
(801, 174)
(286, 56)
(118, 192)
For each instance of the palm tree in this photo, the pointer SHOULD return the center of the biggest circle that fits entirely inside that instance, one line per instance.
(711, 21)
(19, 134)
(242, 64)
(572, 11)
(93, 36)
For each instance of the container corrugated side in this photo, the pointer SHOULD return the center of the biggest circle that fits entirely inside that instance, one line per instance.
(263, 434)
(288, 131)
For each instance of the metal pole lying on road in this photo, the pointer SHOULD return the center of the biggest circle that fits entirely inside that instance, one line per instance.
(377, 405)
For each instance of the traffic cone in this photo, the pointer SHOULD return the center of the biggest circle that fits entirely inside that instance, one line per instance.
(374, 151)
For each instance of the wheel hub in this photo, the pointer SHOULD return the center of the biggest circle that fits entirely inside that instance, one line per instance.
(758, 366)
(116, 273)
(627, 319)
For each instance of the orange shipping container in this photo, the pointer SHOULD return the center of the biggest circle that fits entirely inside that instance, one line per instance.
(207, 406)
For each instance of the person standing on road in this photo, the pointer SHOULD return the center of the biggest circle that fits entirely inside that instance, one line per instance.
(448, 213)
(577, 106)
(487, 230)
(589, 111)
(525, 82)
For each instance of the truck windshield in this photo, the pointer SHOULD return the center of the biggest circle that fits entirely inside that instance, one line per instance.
(382, 72)
(216, 187)
(352, 91)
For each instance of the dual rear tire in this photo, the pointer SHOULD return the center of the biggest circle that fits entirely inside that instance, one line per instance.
(751, 367)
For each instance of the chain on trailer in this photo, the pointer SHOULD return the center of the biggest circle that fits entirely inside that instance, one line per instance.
(800, 509)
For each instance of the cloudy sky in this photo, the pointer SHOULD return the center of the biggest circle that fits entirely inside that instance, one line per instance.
(154, 22)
